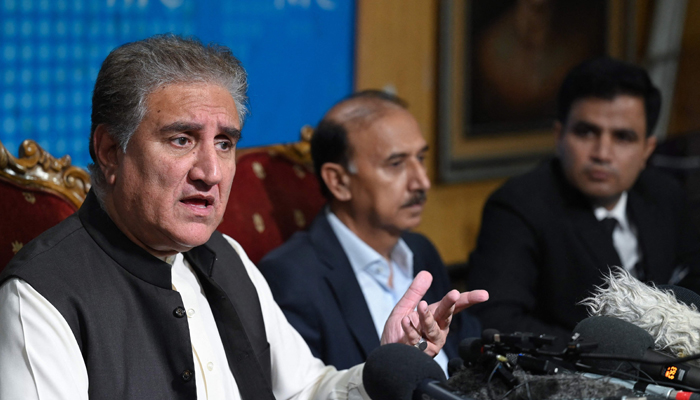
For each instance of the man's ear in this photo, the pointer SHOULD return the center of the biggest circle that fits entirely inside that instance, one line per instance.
(337, 180)
(106, 152)
(649, 147)
(558, 130)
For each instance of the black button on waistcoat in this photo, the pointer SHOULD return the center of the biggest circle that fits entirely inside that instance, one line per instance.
(187, 375)
(179, 312)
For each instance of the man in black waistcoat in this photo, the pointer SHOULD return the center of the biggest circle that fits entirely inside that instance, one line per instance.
(136, 296)
(548, 236)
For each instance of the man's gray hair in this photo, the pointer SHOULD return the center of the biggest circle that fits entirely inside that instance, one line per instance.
(134, 70)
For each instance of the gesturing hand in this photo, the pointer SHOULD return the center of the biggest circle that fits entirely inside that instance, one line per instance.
(412, 318)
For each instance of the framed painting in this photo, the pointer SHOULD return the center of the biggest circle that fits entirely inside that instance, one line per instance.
(501, 65)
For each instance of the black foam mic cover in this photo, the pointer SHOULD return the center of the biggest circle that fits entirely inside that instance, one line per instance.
(488, 335)
(394, 371)
(617, 337)
(470, 349)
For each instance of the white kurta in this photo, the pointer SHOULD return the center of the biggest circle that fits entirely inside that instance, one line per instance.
(40, 358)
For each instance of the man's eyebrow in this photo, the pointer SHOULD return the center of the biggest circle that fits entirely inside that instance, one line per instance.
(179, 126)
(627, 131)
(233, 133)
(394, 156)
(586, 125)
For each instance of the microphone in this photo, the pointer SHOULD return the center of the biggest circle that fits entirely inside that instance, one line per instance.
(491, 371)
(684, 295)
(513, 366)
(617, 337)
(471, 350)
(671, 372)
(656, 390)
(454, 366)
(523, 340)
(483, 357)
(495, 347)
(400, 372)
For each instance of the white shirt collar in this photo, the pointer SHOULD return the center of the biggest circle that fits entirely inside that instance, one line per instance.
(361, 255)
(619, 212)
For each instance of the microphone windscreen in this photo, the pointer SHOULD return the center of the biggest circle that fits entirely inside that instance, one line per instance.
(393, 371)
(540, 387)
(454, 365)
(617, 337)
(488, 335)
(687, 296)
(470, 349)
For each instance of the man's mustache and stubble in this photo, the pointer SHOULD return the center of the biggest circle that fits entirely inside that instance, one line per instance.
(418, 197)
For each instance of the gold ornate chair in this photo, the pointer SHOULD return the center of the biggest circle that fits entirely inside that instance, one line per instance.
(274, 194)
(37, 191)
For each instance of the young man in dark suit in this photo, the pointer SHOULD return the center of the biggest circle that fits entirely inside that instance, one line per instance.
(548, 236)
(337, 281)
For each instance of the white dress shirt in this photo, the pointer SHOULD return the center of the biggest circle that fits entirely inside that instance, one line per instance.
(40, 358)
(372, 272)
(624, 235)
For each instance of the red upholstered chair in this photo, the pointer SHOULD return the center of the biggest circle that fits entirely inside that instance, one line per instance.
(274, 194)
(37, 191)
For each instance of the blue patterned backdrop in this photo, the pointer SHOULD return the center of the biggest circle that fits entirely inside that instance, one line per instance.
(298, 53)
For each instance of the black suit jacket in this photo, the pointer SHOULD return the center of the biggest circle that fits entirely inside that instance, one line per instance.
(314, 284)
(541, 249)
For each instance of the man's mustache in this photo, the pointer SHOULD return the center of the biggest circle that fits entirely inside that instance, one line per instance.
(600, 167)
(418, 197)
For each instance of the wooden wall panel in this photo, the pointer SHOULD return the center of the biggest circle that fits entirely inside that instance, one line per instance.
(685, 114)
(397, 48)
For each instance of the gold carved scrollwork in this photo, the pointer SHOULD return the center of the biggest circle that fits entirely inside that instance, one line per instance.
(258, 223)
(36, 168)
(258, 170)
(16, 246)
(297, 152)
(299, 218)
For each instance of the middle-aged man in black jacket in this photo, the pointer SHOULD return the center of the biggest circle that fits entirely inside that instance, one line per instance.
(548, 236)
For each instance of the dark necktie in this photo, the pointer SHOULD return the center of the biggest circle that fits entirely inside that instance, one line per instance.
(609, 225)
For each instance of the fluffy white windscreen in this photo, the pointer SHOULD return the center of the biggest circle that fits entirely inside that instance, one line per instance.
(674, 325)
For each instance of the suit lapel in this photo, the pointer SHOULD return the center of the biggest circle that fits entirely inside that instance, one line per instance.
(594, 238)
(587, 228)
(650, 238)
(342, 281)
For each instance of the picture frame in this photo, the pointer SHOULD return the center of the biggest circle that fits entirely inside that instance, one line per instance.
(496, 101)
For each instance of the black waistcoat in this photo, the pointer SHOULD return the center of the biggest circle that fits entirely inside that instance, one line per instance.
(119, 303)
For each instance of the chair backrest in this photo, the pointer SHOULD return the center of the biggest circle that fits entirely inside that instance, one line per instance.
(274, 194)
(679, 156)
(37, 191)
